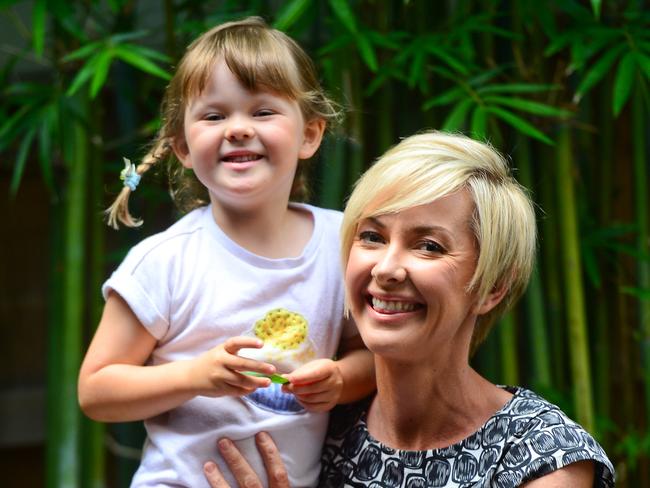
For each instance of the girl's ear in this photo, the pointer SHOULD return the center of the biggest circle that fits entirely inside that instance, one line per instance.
(182, 152)
(312, 137)
(492, 300)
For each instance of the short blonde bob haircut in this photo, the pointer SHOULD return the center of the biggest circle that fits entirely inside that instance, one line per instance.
(430, 165)
(261, 58)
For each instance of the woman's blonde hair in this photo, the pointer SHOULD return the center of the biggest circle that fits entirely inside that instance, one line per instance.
(431, 165)
(261, 58)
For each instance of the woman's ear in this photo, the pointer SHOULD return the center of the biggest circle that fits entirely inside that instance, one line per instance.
(182, 151)
(492, 300)
(312, 137)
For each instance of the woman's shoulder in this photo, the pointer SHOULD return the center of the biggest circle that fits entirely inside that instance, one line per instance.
(544, 438)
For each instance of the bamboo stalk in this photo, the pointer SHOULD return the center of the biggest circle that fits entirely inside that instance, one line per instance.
(93, 472)
(508, 346)
(68, 439)
(574, 291)
(536, 315)
(641, 203)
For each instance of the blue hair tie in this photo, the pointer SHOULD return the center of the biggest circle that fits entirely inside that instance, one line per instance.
(129, 175)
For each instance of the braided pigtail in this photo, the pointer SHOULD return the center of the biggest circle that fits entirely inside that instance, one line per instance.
(119, 210)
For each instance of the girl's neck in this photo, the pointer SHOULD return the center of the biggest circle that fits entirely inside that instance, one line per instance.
(420, 408)
(274, 231)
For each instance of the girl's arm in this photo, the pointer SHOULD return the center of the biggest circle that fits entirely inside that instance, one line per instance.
(323, 383)
(357, 367)
(116, 386)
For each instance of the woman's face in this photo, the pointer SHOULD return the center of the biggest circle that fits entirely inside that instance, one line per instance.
(407, 277)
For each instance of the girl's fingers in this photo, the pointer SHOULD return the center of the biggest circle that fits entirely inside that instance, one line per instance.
(234, 344)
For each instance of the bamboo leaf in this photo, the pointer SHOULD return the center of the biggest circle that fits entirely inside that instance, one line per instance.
(82, 52)
(517, 88)
(102, 66)
(623, 82)
(598, 70)
(596, 6)
(38, 26)
(417, 67)
(344, 13)
(45, 146)
(448, 58)
(148, 53)
(445, 98)
(643, 294)
(479, 123)
(21, 159)
(559, 42)
(367, 52)
(140, 62)
(82, 76)
(529, 106)
(643, 62)
(290, 13)
(520, 124)
(455, 120)
(12, 122)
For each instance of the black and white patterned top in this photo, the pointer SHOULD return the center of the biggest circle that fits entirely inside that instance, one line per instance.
(526, 439)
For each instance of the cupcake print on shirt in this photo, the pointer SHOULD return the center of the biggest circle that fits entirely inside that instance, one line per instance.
(287, 347)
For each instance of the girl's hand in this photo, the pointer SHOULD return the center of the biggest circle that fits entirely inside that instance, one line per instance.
(220, 371)
(317, 385)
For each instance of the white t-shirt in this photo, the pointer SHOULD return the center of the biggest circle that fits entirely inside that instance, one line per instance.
(192, 287)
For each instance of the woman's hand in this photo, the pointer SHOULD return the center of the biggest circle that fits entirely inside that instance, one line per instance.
(241, 470)
(219, 371)
(317, 385)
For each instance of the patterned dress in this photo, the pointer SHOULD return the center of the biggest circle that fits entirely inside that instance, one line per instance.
(526, 439)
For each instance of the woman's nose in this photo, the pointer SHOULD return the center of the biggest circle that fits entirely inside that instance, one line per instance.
(239, 129)
(389, 269)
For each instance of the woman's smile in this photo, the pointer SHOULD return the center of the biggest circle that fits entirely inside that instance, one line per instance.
(407, 277)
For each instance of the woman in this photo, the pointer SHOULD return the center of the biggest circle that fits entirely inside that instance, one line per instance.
(438, 241)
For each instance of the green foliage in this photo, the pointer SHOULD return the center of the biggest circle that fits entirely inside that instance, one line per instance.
(517, 74)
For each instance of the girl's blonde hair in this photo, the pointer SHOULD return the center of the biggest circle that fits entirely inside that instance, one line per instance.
(261, 58)
(431, 165)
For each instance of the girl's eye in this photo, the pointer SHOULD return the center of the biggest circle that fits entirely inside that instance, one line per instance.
(370, 236)
(213, 117)
(431, 246)
(265, 112)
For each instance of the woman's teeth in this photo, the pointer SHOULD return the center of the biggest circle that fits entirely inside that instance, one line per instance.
(393, 306)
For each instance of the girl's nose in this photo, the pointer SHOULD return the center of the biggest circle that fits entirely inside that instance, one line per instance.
(389, 269)
(239, 129)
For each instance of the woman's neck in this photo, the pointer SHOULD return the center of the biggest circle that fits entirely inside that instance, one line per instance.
(419, 408)
(274, 231)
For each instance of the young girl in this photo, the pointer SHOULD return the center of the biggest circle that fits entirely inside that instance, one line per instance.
(245, 269)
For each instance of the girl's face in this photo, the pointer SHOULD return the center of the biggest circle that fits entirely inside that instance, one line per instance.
(407, 276)
(244, 146)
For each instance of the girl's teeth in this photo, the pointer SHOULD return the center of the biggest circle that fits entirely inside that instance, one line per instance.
(241, 159)
(392, 306)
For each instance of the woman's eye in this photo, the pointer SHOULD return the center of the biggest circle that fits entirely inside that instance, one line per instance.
(370, 236)
(431, 246)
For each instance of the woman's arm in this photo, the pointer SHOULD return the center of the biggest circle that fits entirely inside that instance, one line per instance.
(116, 386)
(576, 475)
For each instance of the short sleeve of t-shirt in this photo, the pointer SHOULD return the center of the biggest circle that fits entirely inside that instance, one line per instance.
(138, 281)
